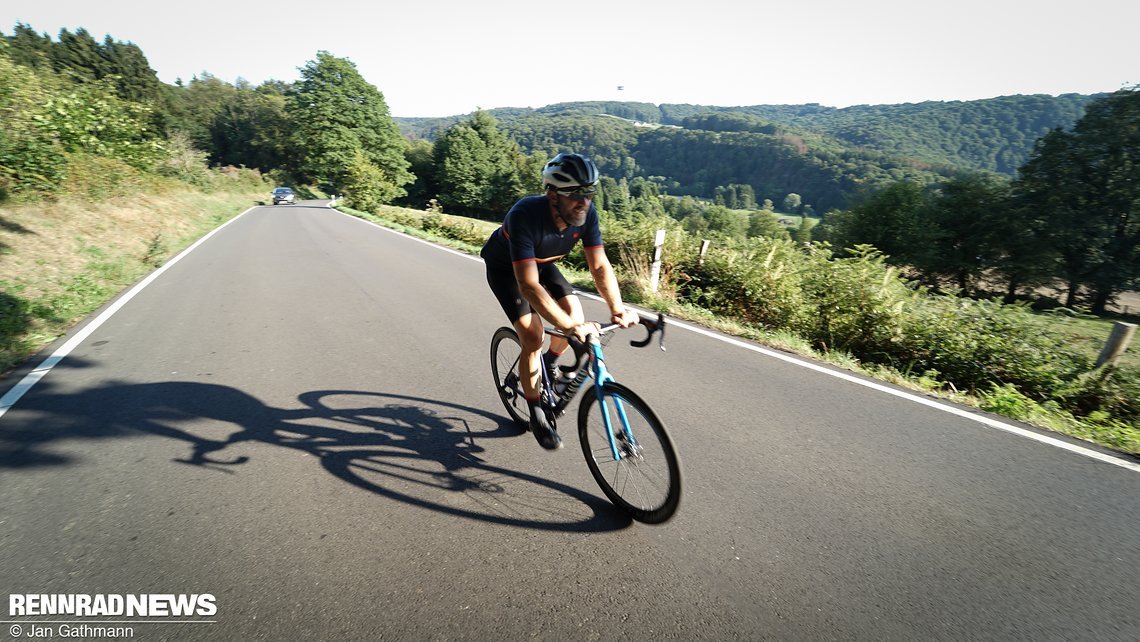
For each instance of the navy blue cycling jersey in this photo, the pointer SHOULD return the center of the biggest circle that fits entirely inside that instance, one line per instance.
(528, 234)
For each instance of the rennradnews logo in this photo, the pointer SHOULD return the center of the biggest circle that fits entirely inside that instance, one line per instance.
(103, 605)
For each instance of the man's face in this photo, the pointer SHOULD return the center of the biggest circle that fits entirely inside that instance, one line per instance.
(573, 209)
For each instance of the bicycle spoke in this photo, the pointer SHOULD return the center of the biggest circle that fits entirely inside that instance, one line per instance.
(645, 478)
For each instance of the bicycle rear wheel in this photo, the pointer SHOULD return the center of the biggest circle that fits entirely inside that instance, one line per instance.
(505, 353)
(645, 480)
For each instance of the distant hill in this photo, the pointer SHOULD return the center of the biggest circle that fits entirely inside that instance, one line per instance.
(825, 154)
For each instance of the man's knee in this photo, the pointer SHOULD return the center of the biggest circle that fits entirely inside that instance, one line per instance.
(529, 329)
(573, 307)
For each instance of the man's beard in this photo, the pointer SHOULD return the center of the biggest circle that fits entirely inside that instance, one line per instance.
(572, 219)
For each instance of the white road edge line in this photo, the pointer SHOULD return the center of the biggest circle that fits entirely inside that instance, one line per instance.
(33, 377)
(965, 414)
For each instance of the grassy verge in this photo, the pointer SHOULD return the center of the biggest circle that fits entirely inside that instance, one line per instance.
(1087, 334)
(63, 260)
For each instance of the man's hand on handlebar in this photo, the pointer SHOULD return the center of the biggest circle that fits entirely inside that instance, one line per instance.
(628, 317)
(581, 331)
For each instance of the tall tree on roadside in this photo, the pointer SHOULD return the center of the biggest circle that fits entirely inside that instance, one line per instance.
(1087, 182)
(76, 56)
(969, 226)
(422, 164)
(127, 67)
(481, 171)
(250, 129)
(891, 220)
(335, 115)
(194, 108)
(28, 48)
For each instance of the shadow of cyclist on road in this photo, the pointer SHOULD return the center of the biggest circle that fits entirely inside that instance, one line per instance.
(415, 450)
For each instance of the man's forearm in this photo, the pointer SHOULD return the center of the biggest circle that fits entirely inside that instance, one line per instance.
(546, 306)
(607, 285)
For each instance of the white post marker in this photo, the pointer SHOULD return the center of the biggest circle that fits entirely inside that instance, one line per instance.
(655, 269)
(704, 251)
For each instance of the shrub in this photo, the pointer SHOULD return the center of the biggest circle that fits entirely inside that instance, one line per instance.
(977, 344)
(366, 185)
(761, 283)
(857, 304)
(1007, 401)
(630, 245)
(95, 178)
(185, 163)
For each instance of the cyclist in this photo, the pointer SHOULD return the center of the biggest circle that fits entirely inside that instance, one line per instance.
(520, 257)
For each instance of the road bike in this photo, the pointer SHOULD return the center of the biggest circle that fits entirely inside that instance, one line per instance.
(626, 446)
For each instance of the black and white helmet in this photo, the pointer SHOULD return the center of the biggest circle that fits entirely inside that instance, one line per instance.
(567, 171)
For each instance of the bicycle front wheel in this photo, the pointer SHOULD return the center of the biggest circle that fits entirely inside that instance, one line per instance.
(644, 479)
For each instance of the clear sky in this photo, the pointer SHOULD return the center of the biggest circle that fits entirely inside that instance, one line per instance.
(449, 57)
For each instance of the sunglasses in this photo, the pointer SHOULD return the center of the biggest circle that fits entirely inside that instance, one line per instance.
(578, 193)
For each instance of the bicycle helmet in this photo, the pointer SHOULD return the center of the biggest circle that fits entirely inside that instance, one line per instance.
(566, 171)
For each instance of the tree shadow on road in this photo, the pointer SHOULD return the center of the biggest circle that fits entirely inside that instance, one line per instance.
(419, 451)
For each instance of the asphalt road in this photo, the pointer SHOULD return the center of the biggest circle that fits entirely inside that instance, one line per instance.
(297, 418)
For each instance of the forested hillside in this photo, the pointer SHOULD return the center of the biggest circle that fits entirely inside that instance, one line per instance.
(828, 156)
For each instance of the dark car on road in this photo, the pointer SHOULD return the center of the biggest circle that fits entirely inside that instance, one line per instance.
(283, 195)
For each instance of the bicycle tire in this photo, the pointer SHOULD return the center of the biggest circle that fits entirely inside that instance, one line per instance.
(505, 353)
(645, 484)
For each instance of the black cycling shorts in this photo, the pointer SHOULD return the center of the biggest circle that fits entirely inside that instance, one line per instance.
(506, 288)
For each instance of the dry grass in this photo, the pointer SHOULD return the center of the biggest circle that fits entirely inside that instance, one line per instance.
(44, 244)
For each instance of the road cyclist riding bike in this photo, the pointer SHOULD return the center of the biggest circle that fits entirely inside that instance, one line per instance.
(626, 446)
(520, 258)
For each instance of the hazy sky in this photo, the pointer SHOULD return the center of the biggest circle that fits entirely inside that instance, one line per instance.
(448, 57)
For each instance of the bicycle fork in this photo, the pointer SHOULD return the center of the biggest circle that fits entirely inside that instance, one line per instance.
(601, 377)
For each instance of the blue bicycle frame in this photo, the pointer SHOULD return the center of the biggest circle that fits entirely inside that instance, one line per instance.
(601, 376)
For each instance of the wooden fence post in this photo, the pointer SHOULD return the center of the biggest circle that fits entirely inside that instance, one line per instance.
(1117, 343)
(655, 269)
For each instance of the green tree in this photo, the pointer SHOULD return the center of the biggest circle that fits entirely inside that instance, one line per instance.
(130, 72)
(727, 223)
(28, 48)
(616, 196)
(421, 163)
(194, 108)
(891, 220)
(746, 196)
(251, 129)
(968, 225)
(77, 56)
(766, 224)
(1087, 182)
(336, 114)
(803, 232)
(479, 170)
